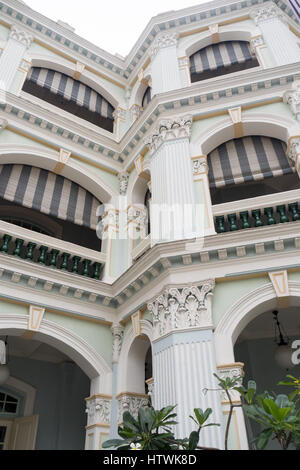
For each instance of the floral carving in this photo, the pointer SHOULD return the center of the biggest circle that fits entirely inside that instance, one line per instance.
(163, 40)
(98, 410)
(177, 309)
(132, 404)
(169, 129)
(21, 36)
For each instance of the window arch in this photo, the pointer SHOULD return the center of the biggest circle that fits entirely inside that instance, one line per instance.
(70, 95)
(249, 167)
(220, 59)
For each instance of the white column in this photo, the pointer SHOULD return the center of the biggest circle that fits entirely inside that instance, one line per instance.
(184, 359)
(200, 173)
(164, 64)
(278, 37)
(18, 42)
(173, 198)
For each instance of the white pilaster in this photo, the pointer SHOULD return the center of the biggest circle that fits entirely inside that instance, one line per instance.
(239, 440)
(200, 173)
(164, 64)
(18, 42)
(277, 36)
(294, 152)
(173, 198)
(183, 357)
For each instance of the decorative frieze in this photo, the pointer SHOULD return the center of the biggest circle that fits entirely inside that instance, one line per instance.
(117, 332)
(266, 13)
(98, 410)
(178, 127)
(181, 309)
(131, 402)
(21, 36)
(161, 41)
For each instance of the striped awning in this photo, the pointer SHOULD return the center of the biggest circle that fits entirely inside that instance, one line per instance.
(71, 90)
(220, 55)
(48, 193)
(247, 159)
(146, 98)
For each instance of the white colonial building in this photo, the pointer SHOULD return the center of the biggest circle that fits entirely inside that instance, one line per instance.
(107, 297)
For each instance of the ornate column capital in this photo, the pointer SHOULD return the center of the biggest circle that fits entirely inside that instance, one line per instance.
(292, 97)
(138, 215)
(266, 13)
(182, 308)
(135, 112)
(117, 332)
(131, 402)
(161, 41)
(98, 409)
(177, 127)
(232, 371)
(123, 179)
(21, 36)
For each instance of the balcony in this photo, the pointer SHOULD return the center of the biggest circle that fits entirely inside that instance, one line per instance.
(257, 212)
(50, 252)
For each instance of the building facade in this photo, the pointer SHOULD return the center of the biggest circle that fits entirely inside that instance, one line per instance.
(149, 218)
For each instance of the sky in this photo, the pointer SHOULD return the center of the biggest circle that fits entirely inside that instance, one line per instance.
(113, 25)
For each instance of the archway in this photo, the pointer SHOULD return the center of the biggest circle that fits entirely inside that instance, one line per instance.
(63, 370)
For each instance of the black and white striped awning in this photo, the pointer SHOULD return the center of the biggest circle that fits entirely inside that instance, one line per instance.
(49, 193)
(71, 90)
(220, 55)
(146, 98)
(247, 159)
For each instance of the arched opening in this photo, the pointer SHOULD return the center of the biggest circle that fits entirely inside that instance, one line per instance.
(57, 419)
(48, 203)
(70, 95)
(256, 347)
(139, 365)
(249, 167)
(221, 59)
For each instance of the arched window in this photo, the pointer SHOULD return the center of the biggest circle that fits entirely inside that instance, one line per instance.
(249, 167)
(147, 97)
(70, 95)
(220, 59)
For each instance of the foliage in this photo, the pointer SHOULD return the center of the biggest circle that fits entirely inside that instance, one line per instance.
(278, 415)
(152, 430)
(295, 384)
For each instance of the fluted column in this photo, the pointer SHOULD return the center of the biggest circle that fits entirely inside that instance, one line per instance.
(164, 63)
(18, 42)
(277, 36)
(200, 173)
(183, 356)
(173, 198)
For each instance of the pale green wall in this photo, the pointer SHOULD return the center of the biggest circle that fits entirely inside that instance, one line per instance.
(227, 293)
(96, 335)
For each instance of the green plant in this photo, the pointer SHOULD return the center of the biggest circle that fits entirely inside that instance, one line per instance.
(151, 430)
(200, 419)
(278, 415)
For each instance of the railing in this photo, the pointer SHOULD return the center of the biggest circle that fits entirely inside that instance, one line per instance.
(257, 217)
(51, 252)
